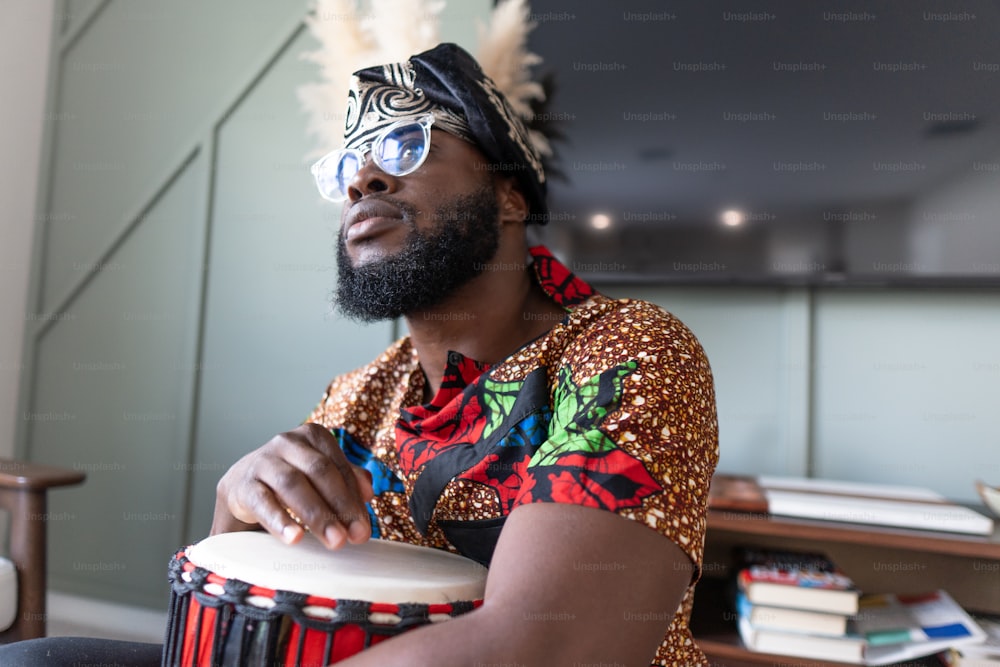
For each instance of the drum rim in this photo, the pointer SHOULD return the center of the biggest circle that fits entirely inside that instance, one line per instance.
(389, 571)
(188, 566)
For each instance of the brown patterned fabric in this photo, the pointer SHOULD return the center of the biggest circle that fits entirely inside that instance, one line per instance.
(613, 408)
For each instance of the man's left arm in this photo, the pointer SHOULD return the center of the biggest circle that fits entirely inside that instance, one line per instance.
(567, 585)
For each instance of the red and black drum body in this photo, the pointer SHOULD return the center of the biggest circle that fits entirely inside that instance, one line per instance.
(247, 599)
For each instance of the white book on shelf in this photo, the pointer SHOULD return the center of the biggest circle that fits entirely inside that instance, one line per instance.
(847, 648)
(790, 619)
(846, 488)
(873, 504)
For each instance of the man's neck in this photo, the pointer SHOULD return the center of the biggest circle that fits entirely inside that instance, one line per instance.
(487, 319)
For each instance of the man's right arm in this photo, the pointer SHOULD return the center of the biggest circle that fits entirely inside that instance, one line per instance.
(302, 474)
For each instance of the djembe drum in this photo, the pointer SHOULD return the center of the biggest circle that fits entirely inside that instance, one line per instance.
(248, 599)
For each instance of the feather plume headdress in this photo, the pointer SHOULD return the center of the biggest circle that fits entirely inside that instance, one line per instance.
(393, 30)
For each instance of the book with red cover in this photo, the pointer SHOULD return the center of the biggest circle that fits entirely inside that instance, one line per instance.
(796, 579)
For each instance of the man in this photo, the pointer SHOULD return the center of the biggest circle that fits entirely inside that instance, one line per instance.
(563, 438)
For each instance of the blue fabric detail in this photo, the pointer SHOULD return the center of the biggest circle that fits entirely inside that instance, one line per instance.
(531, 432)
(382, 478)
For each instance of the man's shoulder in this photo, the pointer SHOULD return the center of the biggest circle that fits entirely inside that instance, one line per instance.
(630, 318)
(605, 332)
(360, 399)
(390, 368)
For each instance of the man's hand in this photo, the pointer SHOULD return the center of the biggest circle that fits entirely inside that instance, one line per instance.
(298, 480)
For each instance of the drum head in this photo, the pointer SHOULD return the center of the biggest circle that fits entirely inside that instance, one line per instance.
(377, 571)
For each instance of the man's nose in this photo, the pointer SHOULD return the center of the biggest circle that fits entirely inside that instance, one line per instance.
(370, 179)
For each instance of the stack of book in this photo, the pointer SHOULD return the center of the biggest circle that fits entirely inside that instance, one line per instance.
(797, 604)
(801, 604)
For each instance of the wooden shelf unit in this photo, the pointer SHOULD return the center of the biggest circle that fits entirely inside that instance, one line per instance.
(879, 559)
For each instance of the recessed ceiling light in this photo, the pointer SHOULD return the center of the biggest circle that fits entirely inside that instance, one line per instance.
(733, 218)
(600, 221)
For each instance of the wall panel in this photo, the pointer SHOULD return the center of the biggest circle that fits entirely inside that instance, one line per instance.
(112, 398)
(906, 387)
(72, 14)
(137, 88)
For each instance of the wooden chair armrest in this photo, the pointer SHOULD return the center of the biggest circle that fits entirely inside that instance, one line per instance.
(23, 492)
(36, 476)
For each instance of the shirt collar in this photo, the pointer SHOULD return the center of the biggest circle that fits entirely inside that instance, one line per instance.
(561, 284)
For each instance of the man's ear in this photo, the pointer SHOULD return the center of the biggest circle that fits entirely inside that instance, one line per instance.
(511, 201)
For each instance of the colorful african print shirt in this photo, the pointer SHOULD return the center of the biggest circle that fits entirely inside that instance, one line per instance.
(614, 408)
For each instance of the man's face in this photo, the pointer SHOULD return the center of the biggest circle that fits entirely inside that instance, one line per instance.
(406, 243)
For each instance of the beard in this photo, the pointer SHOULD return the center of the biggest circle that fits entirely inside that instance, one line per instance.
(433, 265)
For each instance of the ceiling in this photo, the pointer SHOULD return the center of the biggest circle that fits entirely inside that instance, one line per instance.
(694, 107)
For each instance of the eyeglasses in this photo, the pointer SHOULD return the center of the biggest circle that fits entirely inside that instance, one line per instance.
(398, 150)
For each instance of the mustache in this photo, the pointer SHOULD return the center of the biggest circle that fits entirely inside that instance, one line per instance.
(408, 212)
(407, 216)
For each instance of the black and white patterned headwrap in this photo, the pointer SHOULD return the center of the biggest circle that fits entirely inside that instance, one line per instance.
(448, 82)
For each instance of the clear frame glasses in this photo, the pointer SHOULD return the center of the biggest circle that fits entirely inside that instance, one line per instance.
(398, 150)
